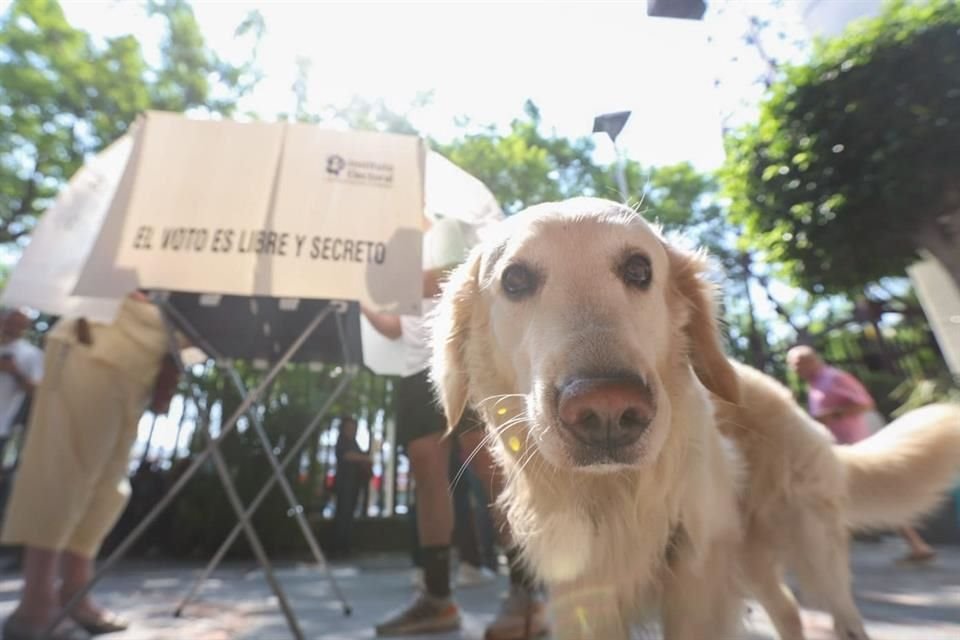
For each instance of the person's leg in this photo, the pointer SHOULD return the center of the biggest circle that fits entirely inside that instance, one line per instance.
(114, 435)
(343, 516)
(420, 429)
(486, 530)
(4, 441)
(76, 571)
(523, 613)
(464, 532)
(38, 602)
(362, 501)
(465, 527)
(483, 465)
(920, 551)
(339, 519)
(51, 488)
(429, 456)
(415, 554)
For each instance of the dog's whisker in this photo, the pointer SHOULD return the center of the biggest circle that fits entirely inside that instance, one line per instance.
(488, 439)
(466, 463)
(522, 463)
(512, 422)
(530, 455)
(497, 399)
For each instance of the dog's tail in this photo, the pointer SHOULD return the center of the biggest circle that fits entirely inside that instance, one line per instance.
(901, 473)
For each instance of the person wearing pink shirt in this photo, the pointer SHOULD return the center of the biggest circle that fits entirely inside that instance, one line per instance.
(841, 402)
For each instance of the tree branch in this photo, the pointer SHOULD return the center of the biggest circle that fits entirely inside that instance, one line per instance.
(781, 311)
(938, 236)
(24, 208)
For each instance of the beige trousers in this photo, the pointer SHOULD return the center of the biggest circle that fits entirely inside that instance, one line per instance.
(71, 484)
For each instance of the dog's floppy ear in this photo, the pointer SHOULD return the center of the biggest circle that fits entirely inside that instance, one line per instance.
(451, 328)
(702, 328)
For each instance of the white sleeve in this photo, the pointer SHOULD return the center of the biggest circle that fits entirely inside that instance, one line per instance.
(34, 365)
(445, 244)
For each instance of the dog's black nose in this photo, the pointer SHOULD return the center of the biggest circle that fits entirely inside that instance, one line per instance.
(606, 412)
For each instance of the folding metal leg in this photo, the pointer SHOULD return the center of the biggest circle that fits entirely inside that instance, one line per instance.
(228, 426)
(255, 543)
(279, 477)
(237, 505)
(294, 451)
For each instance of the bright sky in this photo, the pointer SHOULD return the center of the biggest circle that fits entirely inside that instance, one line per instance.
(575, 60)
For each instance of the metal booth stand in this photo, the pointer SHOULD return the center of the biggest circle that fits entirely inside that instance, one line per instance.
(254, 328)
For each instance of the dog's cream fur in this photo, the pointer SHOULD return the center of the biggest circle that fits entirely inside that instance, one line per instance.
(805, 493)
(660, 536)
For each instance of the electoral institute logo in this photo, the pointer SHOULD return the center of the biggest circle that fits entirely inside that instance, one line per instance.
(365, 172)
(335, 164)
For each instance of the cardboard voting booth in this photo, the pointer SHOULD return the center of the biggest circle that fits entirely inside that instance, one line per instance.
(259, 241)
(258, 209)
(291, 211)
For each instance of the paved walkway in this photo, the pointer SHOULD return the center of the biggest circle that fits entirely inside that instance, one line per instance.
(899, 603)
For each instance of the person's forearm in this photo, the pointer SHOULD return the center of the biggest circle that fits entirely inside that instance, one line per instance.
(844, 411)
(431, 282)
(386, 325)
(23, 381)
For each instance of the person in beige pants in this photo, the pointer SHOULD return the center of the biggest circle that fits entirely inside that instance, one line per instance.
(71, 484)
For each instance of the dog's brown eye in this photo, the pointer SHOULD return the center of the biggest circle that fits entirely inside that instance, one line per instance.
(637, 271)
(518, 281)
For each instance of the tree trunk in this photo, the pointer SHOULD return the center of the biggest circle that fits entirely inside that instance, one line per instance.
(941, 237)
(755, 340)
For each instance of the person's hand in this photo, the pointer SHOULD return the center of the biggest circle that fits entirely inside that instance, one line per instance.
(839, 412)
(828, 414)
(8, 365)
(431, 282)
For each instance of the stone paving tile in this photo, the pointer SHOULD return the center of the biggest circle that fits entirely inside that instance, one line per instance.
(899, 603)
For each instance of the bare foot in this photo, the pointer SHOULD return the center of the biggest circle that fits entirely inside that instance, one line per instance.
(919, 555)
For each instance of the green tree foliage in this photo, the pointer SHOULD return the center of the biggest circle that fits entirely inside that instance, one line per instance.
(853, 166)
(374, 115)
(524, 166)
(64, 94)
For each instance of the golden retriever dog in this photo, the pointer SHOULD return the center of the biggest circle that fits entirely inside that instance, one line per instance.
(648, 478)
(576, 331)
(805, 493)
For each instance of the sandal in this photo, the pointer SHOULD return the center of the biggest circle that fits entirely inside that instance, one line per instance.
(106, 622)
(13, 629)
